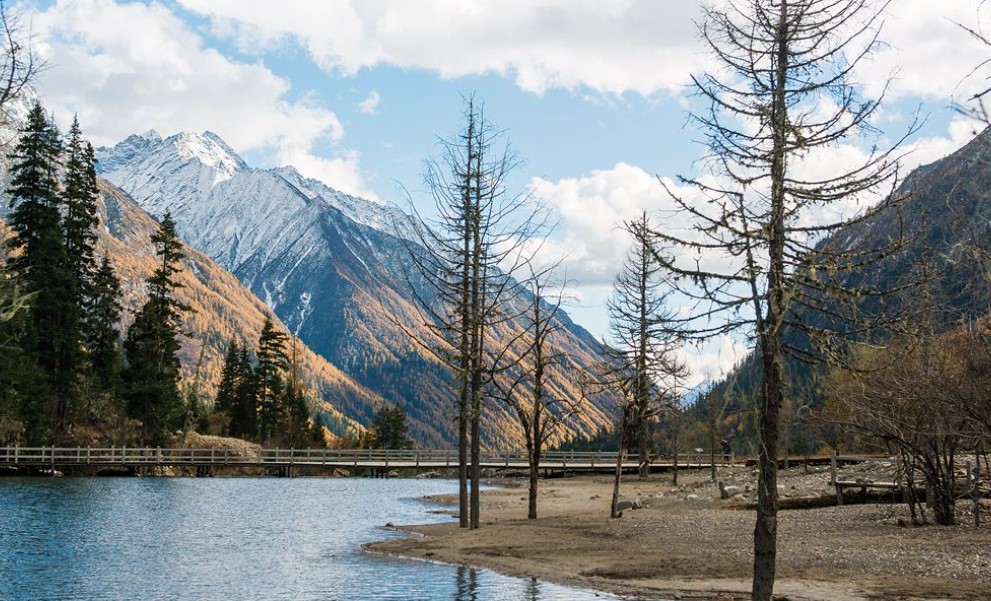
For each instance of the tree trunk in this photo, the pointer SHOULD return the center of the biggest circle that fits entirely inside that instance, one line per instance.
(674, 467)
(766, 528)
(712, 451)
(770, 333)
(534, 450)
(476, 470)
(614, 509)
(644, 450)
(463, 516)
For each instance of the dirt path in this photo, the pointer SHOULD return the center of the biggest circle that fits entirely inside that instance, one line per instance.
(686, 542)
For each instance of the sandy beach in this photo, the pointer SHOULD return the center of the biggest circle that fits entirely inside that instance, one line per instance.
(686, 543)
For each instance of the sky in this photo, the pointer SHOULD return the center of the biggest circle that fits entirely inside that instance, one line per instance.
(594, 96)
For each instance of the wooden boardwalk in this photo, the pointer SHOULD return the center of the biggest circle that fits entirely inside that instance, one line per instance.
(379, 459)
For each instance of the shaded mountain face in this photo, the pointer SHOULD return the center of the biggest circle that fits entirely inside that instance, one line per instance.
(223, 310)
(945, 227)
(943, 262)
(332, 267)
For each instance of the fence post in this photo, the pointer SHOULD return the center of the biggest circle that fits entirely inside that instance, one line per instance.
(977, 491)
(836, 483)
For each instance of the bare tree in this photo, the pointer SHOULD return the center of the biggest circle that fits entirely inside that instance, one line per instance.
(642, 363)
(909, 396)
(466, 258)
(714, 405)
(19, 64)
(648, 368)
(751, 262)
(538, 410)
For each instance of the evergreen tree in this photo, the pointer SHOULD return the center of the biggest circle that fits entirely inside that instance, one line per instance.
(18, 374)
(272, 363)
(152, 345)
(101, 334)
(226, 397)
(79, 216)
(52, 333)
(244, 412)
(391, 430)
(297, 430)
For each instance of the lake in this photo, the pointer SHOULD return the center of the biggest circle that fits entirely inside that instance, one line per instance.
(102, 539)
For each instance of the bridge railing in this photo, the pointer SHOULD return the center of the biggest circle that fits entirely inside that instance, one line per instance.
(140, 456)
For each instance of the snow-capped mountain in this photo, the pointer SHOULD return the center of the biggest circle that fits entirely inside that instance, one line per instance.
(329, 264)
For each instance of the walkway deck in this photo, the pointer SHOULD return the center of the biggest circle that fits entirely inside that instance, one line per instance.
(575, 461)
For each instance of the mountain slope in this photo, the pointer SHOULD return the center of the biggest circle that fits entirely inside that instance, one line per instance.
(330, 265)
(945, 223)
(223, 309)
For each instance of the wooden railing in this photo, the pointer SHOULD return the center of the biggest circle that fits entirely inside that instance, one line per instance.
(375, 458)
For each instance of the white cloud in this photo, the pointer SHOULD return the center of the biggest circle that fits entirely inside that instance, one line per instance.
(370, 104)
(643, 46)
(712, 361)
(591, 245)
(928, 51)
(125, 68)
(640, 46)
(341, 172)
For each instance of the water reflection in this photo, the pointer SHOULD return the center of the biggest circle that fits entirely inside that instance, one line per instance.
(467, 584)
(533, 590)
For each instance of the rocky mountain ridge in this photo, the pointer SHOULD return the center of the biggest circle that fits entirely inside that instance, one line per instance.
(332, 268)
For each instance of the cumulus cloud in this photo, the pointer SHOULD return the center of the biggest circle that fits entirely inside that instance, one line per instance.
(370, 104)
(125, 68)
(591, 245)
(643, 46)
(640, 46)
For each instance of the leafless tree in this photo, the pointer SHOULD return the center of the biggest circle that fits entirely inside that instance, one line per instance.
(467, 257)
(909, 396)
(648, 369)
(537, 409)
(20, 65)
(751, 262)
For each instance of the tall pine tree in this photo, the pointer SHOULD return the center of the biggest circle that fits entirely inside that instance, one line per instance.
(244, 413)
(272, 363)
(51, 336)
(152, 345)
(80, 220)
(102, 337)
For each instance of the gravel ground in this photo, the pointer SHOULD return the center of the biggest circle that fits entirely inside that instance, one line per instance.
(686, 541)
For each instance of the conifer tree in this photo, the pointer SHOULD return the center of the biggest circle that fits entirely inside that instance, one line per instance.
(102, 337)
(647, 367)
(272, 363)
(244, 411)
(296, 429)
(152, 345)
(783, 96)
(226, 397)
(80, 219)
(19, 374)
(51, 337)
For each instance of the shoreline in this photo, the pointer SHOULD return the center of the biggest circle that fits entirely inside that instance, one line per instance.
(687, 544)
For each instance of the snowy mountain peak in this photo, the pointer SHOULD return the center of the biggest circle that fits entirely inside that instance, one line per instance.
(210, 150)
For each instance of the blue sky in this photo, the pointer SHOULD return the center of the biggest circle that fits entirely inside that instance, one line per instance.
(593, 94)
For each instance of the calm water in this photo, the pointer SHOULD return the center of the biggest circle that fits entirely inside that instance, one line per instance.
(97, 539)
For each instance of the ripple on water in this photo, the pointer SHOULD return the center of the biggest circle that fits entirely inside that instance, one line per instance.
(103, 539)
